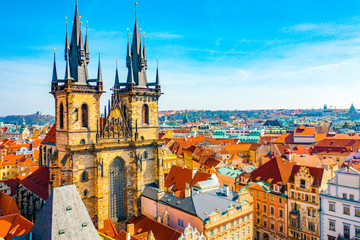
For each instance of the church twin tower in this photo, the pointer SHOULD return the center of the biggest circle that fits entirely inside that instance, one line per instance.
(108, 157)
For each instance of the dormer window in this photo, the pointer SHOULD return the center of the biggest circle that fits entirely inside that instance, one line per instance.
(302, 183)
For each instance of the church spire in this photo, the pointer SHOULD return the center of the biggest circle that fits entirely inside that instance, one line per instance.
(157, 81)
(67, 69)
(87, 54)
(99, 76)
(128, 54)
(54, 80)
(117, 81)
(130, 80)
(67, 45)
(136, 36)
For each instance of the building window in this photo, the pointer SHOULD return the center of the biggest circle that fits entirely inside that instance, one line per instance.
(85, 193)
(306, 197)
(180, 223)
(145, 114)
(61, 116)
(218, 229)
(311, 227)
(248, 230)
(302, 183)
(272, 210)
(280, 200)
(82, 141)
(212, 232)
(281, 213)
(264, 223)
(243, 232)
(85, 115)
(145, 155)
(357, 232)
(224, 227)
(357, 212)
(281, 228)
(237, 235)
(351, 196)
(232, 237)
(84, 176)
(332, 207)
(346, 231)
(116, 187)
(292, 195)
(347, 210)
(313, 199)
(332, 225)
(258, 206)
(264, 208)
(344, 195)
(272, 226)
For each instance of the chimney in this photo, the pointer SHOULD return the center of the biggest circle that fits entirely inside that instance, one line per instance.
(158, 219)
(226, 190)
(128, 236)
(194, 172)
(187, 190)
(130, 229)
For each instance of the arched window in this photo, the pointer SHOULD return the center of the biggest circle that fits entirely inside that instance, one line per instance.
(145, 156)
(85, 193)
(61, 116)
(124, 112)
(145, 114)
(85, 115)
(116, 187)
(82, 141)
(84, 176)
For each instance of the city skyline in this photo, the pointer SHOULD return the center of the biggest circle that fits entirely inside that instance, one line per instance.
(289, 57)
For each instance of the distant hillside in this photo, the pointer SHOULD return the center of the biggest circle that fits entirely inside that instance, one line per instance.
(33, 119)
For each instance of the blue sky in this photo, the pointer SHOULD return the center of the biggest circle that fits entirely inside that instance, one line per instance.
(212, 54)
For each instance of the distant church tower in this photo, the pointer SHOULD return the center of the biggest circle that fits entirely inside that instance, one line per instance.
(108, 157)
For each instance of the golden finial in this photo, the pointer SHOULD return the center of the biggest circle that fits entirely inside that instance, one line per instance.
(135, 3)
(66, 20)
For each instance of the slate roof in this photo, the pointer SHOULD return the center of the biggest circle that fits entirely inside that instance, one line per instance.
(64, 216)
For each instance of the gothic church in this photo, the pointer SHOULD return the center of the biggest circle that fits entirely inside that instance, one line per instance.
(109, 156)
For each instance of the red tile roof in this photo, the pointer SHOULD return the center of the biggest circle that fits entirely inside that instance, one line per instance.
(304, 131)
(51, 135)
(278, 169)
(7, 205)
(143, 224)
(38, 182)
(14, 225)
(109, 228)
(316, 173)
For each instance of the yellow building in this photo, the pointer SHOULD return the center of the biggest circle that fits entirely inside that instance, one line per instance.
(304, 202)
(169, 159)
(109, 157)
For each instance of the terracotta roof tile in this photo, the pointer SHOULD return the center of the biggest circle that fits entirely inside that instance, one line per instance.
(38, 182)
(7, 205)
(14, 225)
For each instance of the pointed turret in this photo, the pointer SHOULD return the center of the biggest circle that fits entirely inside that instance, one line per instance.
(141, 59)
(157, 81)
(67, 69)
(87, 53)
(135, 47)
(54, 81)
(67, 44)
(128, 54)
(99, 76)
(130, 79)
(117, 81)
(77, 52)
(144, 54)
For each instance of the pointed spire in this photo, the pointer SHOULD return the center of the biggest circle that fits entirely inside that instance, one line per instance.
(157, 81)
(54, 75)
(141, 58)
(87, 53)
(67, 44)
(136, 36)
(67, 70)
(144, 54)
(99, 76)
(117, 81)
(128, 54)
(130, 79)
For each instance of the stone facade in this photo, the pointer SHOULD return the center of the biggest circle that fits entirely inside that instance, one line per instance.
(108, 158)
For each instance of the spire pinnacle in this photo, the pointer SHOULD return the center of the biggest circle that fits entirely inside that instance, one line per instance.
(99, 76)
(87, 53)
(117, 81)
(130, 80)
(54, 75)
(67, 70)
(67, 45)
(157, 81)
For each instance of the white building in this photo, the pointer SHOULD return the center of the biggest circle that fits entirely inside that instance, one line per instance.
(340, 206)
